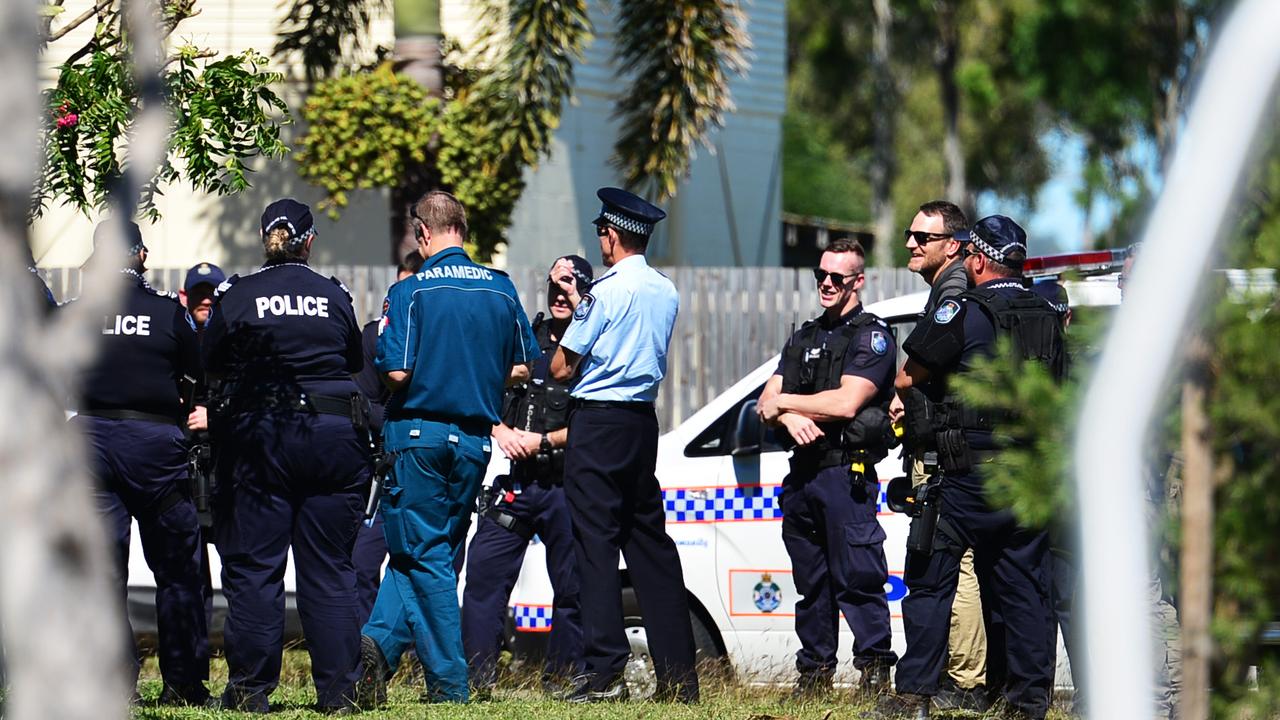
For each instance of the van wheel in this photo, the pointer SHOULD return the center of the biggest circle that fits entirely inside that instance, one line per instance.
(641, 680)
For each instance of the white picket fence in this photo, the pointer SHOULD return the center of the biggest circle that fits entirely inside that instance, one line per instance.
(731, 319)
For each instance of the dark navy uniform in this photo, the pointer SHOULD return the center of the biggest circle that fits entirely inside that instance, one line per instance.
(829, 523)
(528, 502)
(621, 330)
(281, 345)
(1011, 561)
(371, 545)
(131, 415)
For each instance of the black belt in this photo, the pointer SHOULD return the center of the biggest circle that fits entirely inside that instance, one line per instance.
(302, 402)
(614, 404)
(130, 415)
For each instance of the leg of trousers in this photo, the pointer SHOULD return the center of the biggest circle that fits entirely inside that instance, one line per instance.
(616, 505)
(426, 514)
(564, 647)
(494, 558)
(967, 644)
(368, 557)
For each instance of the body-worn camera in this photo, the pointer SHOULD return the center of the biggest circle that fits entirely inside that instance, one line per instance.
(922, 504)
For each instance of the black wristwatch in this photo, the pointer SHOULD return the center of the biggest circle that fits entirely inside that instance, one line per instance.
(546, 444)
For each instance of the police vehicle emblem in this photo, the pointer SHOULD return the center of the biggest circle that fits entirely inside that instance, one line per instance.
(584, 307)
(946, 312)
(766, 595)
(879, 343)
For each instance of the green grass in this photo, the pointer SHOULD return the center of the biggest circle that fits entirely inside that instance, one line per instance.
(721, 699)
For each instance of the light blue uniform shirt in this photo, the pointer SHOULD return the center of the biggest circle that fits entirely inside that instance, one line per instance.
(622, 329)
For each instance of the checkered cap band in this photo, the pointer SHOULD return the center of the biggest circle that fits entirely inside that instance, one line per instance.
(989, 250)
(626, 223)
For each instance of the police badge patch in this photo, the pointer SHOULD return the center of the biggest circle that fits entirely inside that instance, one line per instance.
(879, 343)
(946, 312)
(584, 307)
(766, 594)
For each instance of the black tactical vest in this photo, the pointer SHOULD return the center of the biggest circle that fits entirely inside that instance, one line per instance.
(811, 366)
(540, 405)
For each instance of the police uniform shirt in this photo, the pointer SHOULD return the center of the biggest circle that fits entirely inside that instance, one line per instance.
(459, 328)
(622, 329)
(953, 337)
(369, 380)
(283, 329)
(147, 348)
(872, 355)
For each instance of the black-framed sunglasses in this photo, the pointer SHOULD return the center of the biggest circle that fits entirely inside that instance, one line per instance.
(837, 279)
(923, 238)
(602, 229)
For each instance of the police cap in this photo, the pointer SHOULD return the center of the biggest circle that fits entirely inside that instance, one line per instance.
(1055, 293)
(582, 272)
(288, 213)
(996, 237)
(203, 274)
(627, 211)
(132, 236)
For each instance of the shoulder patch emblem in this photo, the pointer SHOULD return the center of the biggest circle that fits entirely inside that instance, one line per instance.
(584, 307)
(879, 343)
(386, 305)
(946, 312)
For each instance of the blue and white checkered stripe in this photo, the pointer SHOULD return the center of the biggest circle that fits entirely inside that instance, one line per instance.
(723, 504)
(531, 617)
(626, 223)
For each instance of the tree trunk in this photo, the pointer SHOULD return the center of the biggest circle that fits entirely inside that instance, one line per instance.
(61, 615)
(1196, 592)
(883, 157)
(417, 56)
(948, 50)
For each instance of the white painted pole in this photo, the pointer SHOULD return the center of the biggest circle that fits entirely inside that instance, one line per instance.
(1233, 98)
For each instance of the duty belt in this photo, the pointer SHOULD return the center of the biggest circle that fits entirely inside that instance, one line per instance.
(129, 415)
(819, 458)
(302, 402)
(614, 404)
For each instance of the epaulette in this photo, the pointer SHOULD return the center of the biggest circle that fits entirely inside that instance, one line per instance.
(224, 286)
(338, 282)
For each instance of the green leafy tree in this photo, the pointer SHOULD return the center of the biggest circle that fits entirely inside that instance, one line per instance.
(502, 101)
(224, 114)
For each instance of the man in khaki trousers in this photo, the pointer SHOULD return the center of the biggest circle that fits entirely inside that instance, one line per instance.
(935, 255)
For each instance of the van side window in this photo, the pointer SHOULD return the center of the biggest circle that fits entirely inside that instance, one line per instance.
(717, 439)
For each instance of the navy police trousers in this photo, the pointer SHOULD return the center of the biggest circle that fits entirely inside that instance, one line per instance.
(836, 545)
(616, 505)
(277, 492)
(139, 468)
(494, 558)
(1013, 568)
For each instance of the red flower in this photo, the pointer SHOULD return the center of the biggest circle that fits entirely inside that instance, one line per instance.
(68, 120)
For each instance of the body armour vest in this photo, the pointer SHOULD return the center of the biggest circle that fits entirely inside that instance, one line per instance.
(812, 365)
(540, 405)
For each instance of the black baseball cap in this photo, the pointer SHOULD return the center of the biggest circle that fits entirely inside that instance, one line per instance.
(996, 237)
(203, 274)
(132, 236)
(582, 272)
(288, 213)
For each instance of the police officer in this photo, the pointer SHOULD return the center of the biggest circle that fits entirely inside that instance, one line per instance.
(292, 468)
(198, 289)
(371, 544)
(1011, 560)
(131, 415)
(529, 501)
(451, 335)
(619, 337)
(830, 395)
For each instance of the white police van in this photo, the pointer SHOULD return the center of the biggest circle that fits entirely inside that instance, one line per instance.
(720, 485)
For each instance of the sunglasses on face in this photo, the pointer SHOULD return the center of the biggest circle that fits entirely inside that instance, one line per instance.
(837, 279)
(602, 230)
(923, 238)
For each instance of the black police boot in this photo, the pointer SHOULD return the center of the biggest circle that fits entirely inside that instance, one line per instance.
(234, 698)
(191, 697)
(894, 706)
(811, 687)
(371, 686)
(874, 680)
(582, 693)
(953, 697)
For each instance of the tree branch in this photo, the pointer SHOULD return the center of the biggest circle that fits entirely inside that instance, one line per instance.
(197, 55)
(88, 48)
(81, 19)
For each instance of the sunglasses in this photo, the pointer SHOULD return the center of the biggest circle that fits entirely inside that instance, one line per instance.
(837, 279)
(923, 238)
(602, 229)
